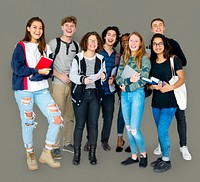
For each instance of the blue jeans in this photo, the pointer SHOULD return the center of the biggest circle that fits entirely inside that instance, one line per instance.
(120, 121)
(87, 113)
(107, 114)
(46, 104)
(163, 118)
(132, 109)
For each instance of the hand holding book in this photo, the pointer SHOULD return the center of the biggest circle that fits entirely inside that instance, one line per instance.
(153, 81)
(44, 71)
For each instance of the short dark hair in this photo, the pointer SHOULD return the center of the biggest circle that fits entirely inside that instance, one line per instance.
(105, 31)
(123, 35)
(158, 19)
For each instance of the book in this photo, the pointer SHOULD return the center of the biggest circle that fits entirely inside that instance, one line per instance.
(44, 62)
(128, 72)
(152, 80)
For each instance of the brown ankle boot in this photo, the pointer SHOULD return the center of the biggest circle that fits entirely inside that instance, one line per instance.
(46, 157)
(31, 161)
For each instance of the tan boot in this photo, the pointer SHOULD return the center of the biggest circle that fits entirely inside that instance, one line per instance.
(46, 157)
(31, 161)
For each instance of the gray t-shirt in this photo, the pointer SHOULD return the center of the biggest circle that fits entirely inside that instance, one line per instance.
(64, 57)
(90, 63)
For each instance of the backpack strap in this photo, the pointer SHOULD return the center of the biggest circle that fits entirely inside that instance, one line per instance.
(76, 46)
(117, 57)
(58, 40)
(57, 47)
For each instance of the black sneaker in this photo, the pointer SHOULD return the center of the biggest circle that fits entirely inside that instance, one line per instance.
(143, 161)
(106, 146)
(128, 149)
(68, 148)
(56, 153)
(154, 163)
(129, 161)
(162, 166)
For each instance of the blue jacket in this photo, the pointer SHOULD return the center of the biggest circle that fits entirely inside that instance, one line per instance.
(22, 72)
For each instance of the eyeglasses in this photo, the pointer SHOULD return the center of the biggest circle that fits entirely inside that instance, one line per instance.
(160, 44)
(92, 41)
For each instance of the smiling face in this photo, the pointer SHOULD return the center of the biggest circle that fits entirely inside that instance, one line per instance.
(124, 41)
(158, 45)
(68, 29)
(35, 30)
(157, 27)
(110, 38)
(134, 43)
(92, 43)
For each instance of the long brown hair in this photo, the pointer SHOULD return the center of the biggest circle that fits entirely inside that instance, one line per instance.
(41, 41)
(139, 54)
(167, 48)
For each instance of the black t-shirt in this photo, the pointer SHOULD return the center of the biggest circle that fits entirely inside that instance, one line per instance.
(162, 71)
(176, 50)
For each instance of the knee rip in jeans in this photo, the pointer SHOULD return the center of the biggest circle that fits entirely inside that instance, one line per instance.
(54, 109)
(128, 127)
(30, 116)
(133, 132)
(26, 101)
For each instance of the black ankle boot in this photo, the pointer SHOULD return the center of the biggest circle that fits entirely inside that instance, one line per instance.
(92, 155)
(77, 155)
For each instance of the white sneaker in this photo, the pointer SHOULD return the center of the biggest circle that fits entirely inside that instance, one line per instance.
(185, 153)
(157, 150)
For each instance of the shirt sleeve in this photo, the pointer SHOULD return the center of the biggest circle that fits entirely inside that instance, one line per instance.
(18, 63)
(177, 64)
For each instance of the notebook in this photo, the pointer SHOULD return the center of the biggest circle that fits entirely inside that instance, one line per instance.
(128, 72)
(44, 62)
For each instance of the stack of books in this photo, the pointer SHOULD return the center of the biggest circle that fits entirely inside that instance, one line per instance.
(152, 80)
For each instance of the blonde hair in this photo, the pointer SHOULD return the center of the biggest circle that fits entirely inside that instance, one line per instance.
(139, 54)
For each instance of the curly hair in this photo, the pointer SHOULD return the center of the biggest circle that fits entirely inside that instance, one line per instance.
(84, 41)
(114, 28)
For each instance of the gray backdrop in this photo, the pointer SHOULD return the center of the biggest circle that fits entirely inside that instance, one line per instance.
(182, 23)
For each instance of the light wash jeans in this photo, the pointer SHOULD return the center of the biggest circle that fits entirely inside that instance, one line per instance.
(132, 109)
(46, 104)
(163, 118)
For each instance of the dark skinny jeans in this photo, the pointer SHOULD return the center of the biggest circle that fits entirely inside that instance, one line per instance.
(87, 112)
(181, 127)
(107, 114)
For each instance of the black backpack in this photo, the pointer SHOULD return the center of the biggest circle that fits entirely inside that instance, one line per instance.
(58, 40)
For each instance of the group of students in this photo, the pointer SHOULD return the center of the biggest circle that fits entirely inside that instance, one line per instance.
(85, 78)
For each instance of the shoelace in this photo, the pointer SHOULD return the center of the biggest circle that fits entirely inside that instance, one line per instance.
(32, 156)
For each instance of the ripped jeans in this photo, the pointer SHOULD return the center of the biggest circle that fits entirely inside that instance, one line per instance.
(132, 109)
(46, 104)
